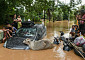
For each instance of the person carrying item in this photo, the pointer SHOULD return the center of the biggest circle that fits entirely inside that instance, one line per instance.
(19, 21)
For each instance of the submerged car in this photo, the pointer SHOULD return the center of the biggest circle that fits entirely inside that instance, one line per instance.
(28, 30)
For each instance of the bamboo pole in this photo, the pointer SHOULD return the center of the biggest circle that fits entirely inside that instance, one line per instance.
(77, 50)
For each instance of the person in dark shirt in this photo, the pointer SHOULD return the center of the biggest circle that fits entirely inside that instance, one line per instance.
(15, 21)
(76, 29)
(9, 28)
(82, 22)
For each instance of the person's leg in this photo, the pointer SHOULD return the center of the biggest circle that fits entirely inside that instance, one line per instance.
(4, 37)
(9, 34)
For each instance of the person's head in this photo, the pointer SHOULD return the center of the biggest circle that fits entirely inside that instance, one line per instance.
(76, 26)
(84, 34)
(4, 28)
(78, 34)
(78, 31)
(18, 16)
(73, 26)
(8, 25)
(12, 25)
(14, 15)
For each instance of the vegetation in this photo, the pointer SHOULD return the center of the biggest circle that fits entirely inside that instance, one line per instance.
(37, 9)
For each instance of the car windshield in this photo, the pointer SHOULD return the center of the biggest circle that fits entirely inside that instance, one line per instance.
(27, 32)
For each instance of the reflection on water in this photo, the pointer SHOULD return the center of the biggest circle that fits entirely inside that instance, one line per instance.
(56, 53)
(61, 53)
(53, 31)
(54, 28)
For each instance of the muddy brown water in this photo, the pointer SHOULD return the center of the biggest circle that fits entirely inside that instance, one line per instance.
(56, 53)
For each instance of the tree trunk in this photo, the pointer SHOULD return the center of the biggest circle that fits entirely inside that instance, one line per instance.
(53, 19)
(49, 15)
(44, 15)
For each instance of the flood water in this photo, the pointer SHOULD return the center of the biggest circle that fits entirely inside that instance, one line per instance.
(56, 53)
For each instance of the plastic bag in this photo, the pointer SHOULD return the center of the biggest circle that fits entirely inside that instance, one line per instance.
(79, 41)
(81, 22)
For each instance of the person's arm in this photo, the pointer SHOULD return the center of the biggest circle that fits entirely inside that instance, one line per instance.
(10, 31)
(79, 17)
(71, 31)
(19, 19)
(15, 20)
(83, 19)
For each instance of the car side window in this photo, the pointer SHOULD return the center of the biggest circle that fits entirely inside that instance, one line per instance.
(39, 31)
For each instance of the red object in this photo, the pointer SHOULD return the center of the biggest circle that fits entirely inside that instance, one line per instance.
(81, 38)
(77, 43)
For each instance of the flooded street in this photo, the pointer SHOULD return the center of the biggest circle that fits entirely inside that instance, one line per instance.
(56, 53)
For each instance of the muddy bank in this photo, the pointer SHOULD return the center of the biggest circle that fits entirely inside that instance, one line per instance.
(56, 53)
